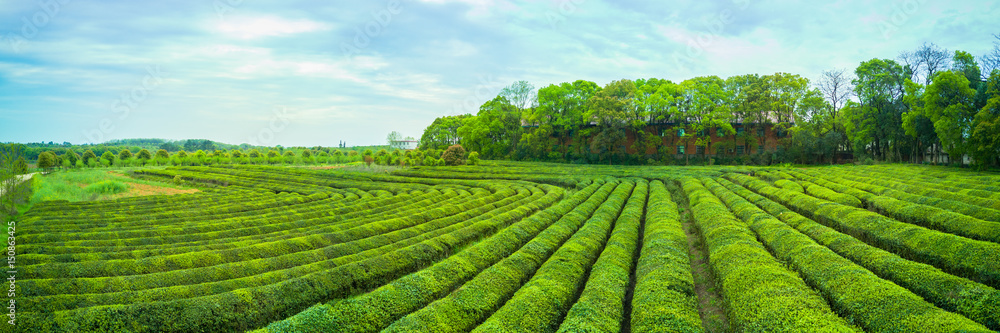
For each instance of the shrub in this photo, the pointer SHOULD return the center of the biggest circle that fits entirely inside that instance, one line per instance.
(106, 187)
(455, 155)
(473, 158)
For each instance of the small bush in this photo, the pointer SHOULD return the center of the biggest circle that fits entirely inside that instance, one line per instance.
(106, 187)
(455, 155)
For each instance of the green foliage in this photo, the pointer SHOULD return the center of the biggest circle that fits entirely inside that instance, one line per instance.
(474, 158)
(106, 187)
(47, 160)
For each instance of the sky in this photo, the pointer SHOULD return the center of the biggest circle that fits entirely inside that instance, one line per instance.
(308, 73)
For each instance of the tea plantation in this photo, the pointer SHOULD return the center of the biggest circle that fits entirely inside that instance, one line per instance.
(522, 247)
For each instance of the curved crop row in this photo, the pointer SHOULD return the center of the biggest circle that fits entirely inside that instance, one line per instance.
(867, 300)
(970, 299)
(266, 228)
(466, 307)
(254, 307)
(976, 260)
(923, 190)
(543, 301)
(971, 210)
(377, 309)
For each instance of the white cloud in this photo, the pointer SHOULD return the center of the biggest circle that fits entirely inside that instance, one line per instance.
(267, 26)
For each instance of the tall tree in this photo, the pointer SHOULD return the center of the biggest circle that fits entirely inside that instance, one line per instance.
(10, 178)
(612, 109)
(520, 94)
(751, 101)
(443, 132)
(991, 60)
(929, 59)
(948, 104)
(495, 131)
(393, 140)
(965, 63)
(46, 160)
(880, 88)
(985, 139)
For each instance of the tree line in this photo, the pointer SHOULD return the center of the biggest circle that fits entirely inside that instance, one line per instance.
(929, 104)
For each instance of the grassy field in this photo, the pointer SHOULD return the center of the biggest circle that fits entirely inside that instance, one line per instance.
(98, 184)
(512, 247)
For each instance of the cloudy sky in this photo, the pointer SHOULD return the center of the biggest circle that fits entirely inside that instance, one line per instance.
(305, 73)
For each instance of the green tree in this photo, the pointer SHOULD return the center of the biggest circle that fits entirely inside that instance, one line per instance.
(948, 104)
(985, 139)
(11, 192)
(47, 160)
(443, 132)
(89, 156)
(965, 63)
(561, 113)
(109, 157)
(124, 155)
(162, 153)
(495, 130)
(73, 158)
(611, 109)
(144, 155)
(876, 123)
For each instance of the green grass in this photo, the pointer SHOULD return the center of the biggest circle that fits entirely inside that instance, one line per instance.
(87, 184)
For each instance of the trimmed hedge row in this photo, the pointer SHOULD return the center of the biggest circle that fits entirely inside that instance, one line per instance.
(963, 187)
(280, 227)
(211, 230)
(827, 194)
(118, 267)
(249, 308)
(861, 296)
(932, 217)
(762, 295)
(923, 190)
(664, 298)
(466, 307)
(375, 310)
(973, 259)
(970, 299)
(215, 279)
(789, 185)
(601, 306)
(971, 210)
(542, 302)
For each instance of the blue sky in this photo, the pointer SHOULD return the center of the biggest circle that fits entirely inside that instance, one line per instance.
(306, 73)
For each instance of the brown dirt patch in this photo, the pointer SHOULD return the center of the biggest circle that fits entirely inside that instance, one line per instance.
(137, 190)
